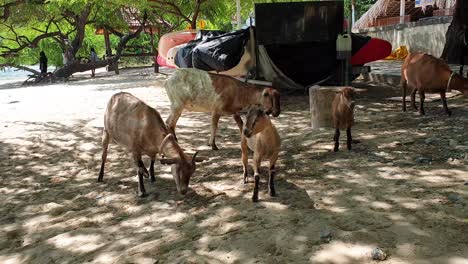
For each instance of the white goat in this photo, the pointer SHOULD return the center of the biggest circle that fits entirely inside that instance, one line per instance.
(199, 91)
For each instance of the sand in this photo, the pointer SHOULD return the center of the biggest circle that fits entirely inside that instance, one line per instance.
(401, 188)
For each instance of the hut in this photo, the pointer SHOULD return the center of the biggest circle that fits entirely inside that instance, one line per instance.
(391, 12)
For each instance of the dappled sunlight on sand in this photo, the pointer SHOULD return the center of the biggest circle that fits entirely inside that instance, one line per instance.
(392, 190)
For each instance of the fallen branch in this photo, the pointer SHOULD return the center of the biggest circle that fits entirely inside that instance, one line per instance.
(24, 68)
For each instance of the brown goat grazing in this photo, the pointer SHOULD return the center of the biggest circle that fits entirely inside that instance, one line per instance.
(343, 115)
(427, 74)
(199, 91)
(139, 128)
(261, 136)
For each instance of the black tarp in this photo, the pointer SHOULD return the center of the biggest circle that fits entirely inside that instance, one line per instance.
(183, 58)
(300, 37)
(220, 53)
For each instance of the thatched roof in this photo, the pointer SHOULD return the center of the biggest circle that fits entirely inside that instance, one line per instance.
(391, 8)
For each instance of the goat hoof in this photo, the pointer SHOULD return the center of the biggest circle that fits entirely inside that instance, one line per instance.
(142, 194)
(153, 179)
(214, 147)
(449, 113)
(273, 194)
(255, 199)
(335, 150)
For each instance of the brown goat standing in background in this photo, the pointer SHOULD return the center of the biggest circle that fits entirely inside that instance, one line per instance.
(261, 136)
(427, 74)
(343, 115)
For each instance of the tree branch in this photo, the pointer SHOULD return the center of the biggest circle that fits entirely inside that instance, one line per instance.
(7, 6)
(28, 44)
(169, 7)
(20, 67)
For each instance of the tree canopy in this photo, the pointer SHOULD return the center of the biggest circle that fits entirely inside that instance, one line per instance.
(66, 30)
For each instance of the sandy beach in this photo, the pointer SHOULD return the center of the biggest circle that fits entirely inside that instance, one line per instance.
(402, 187)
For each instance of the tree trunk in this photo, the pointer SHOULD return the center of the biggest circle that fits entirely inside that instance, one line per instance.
(80, 25)
(73, 67)
(196, 12)
(454, 38)
(321, 99)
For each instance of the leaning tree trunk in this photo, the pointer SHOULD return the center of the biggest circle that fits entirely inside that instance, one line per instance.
(454, 43)
(76, 66)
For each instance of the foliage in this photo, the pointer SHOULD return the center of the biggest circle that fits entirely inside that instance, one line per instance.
(361, 6)
(28, 27)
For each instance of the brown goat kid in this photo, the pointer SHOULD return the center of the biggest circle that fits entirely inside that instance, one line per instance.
(199, 91)
(427, 74)
(343, 115)
(140, 129)
(261, 136)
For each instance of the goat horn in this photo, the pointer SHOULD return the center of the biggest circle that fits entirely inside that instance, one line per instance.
(194, 156)
(174, 144)
(163, 143)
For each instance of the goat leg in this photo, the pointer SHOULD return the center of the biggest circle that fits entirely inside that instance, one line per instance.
(239, 121)
(336, 138)
(271, 178)
(141, 186)
(245, 158)
(404, 86)
(172, 121)
(151, 171)
(255, 192)
(349, 139)
(413, 99)
(421, 102)
(257, 161)
(105, 144)
(444, 103)
(214, 127)
(140, 171)
(143, 169)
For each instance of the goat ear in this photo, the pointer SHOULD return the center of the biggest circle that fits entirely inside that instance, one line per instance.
(168, 161)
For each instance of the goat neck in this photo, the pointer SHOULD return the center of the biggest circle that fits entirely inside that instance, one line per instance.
(347, 101)
(253, 94)
(459, 83)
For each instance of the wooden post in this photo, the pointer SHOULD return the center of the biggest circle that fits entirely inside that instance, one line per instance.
(154, 51)
(107, 41)
(321, 99)
(108, 49)
(238, 14)
(402, 11)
